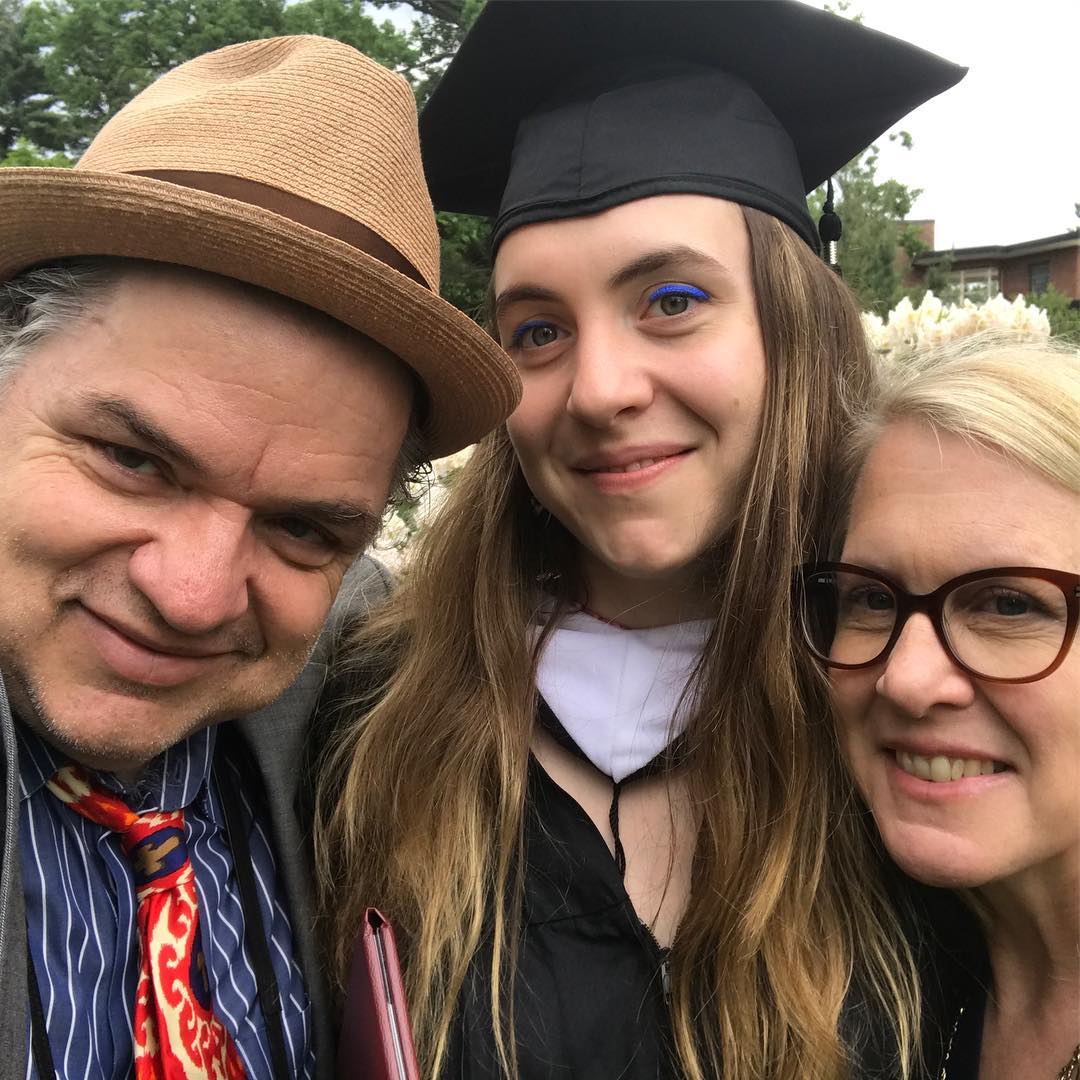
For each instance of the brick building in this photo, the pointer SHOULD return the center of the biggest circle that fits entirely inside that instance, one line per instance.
(980, 272)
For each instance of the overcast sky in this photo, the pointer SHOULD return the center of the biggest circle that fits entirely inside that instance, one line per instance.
(998, 155)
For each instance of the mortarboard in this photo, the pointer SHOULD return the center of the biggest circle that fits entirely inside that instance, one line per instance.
(559, 108)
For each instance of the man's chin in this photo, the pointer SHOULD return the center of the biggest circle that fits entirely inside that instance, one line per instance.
(109, 744)
(107, 730)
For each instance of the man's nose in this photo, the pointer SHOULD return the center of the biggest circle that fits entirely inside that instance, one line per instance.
(919, 674)
(609, 378)
(196, 569)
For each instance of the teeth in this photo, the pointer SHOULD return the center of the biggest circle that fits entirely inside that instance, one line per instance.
(941, 769)
(634, 466)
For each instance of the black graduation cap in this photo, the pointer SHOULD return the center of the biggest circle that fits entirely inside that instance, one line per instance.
(559, 108)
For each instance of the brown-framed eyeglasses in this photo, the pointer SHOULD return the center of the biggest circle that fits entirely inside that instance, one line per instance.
(1006, 624)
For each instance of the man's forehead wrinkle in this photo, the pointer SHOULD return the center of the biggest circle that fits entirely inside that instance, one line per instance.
(258, 473)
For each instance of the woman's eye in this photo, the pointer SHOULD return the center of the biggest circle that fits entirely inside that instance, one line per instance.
(127, 457)
(534, 335)
(674, 299)
(1012, 604)
(867, 598)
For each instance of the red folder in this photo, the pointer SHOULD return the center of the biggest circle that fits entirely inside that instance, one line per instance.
(376, 1037)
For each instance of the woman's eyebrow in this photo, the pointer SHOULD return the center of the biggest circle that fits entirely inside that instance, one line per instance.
(526, 291)
(679, 257)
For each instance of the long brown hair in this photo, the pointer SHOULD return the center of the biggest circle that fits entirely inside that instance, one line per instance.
(423, 806)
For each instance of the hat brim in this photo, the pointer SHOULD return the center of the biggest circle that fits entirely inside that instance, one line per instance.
(48, 214)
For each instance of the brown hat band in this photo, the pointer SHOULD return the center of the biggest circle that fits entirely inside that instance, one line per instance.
(296, 208)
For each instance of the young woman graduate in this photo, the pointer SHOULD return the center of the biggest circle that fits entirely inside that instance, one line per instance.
(573, 765)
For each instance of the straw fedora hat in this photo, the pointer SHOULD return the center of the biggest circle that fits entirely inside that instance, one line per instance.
(289, 163)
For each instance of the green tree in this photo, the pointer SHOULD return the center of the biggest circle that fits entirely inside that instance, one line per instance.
(27, 108)
(438, 31)
(24, 153)
(876, 231)
(1064, 317)
(466, 264)
(939, 282)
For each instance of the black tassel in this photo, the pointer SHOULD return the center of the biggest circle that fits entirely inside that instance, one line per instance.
(830, 229)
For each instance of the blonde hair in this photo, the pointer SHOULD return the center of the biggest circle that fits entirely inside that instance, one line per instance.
(996, 388)
(422, 806)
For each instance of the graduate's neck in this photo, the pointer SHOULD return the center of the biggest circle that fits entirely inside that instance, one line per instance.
(640, 602)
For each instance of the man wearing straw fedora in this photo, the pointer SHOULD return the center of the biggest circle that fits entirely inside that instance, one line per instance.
(221, 346)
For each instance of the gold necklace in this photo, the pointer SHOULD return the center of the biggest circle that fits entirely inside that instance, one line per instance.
(1072, 1066)
(948, 1049)
(1071, 1071)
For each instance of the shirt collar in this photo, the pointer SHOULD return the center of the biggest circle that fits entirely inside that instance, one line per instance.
(172, 781)
(37, 761)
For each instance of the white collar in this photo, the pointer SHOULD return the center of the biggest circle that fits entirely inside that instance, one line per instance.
(617, 690)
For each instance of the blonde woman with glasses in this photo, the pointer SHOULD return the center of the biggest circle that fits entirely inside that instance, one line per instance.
(948, 627)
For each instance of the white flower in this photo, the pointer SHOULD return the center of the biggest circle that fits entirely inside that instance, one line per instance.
(447, 466)
(907, 327)
(395, 531)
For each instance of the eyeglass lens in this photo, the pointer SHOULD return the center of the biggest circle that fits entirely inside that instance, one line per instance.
(1002, 627)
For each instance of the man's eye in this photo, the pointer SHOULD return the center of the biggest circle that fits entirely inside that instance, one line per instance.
(534, 335)
(127, 457)
(674, 299)
(299, 529)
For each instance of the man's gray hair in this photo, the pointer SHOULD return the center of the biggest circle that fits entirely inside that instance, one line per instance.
(42, 302)
(45, 301)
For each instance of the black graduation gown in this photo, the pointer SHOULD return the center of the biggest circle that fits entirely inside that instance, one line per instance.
(964, 1044)
(590, 993)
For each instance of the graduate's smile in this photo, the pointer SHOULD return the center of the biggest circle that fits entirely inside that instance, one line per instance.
(631, 468)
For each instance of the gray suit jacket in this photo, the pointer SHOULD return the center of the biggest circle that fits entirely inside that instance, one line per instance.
(275, 737)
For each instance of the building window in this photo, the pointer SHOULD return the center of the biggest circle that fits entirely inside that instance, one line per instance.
(977, 284)
(1038, 277)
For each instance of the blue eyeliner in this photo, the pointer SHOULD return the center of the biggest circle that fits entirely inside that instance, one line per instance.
(523, 329)
(678, 290)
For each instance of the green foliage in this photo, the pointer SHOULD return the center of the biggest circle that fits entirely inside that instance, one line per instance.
(938, 282)
(466, 268)
(27, 107)
(875, 230)
(24, 153)
(438, 32)
(1064, 318)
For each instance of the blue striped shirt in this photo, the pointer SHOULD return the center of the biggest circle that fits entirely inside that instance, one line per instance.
(81, 909)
